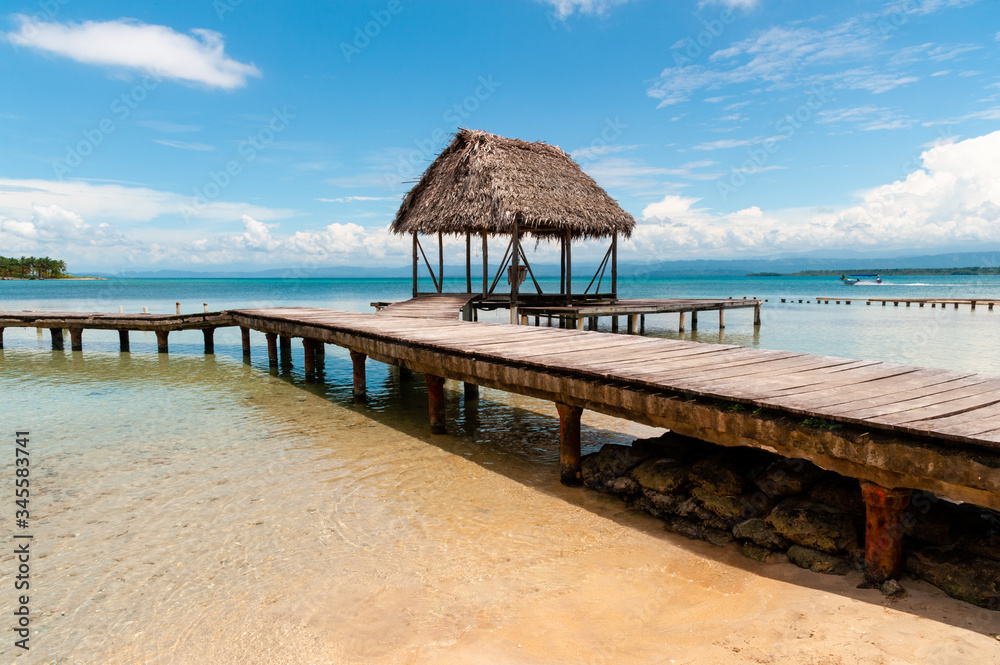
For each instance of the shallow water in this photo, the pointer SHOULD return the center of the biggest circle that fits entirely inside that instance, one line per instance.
(191, 509)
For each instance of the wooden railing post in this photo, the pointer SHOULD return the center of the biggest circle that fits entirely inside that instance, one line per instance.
(883, 531)
(569, 443)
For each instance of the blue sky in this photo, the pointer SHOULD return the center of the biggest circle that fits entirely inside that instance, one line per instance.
(243, 133)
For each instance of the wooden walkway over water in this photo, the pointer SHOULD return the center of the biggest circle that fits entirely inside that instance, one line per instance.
(889, 425)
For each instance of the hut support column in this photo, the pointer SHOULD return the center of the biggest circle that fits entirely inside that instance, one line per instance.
(209, 334)
(57, 338)
(569, 443)
(123, 344)
(360, 379)
(272, 349)
(569, 266)
(514, 257)
(76, 339)
(883, 531)
(562, 265)
(435, 402)
(161, 341)
(486, 266)
(468, 262)
(245, 335)
(614, 265)
(440, 262)
(414, 264)
(309, 357)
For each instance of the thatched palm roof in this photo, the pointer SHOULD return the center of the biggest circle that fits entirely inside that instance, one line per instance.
(482, 181)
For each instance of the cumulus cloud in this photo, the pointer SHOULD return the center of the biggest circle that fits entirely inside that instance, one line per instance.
(127, 44)
(953, 199)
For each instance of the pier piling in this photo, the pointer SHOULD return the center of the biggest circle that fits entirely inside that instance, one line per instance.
(161, 341)
(123, 343)
(309, 357)
(209, 335)
(569, 443)
(435, 402)
(272, 349)
(360, 379)
(57, 338)
(694, 320)
(883, 531)
(756, 316)
(1, 338)
(471, 392)
(76, 339)
(722, 318)
(245, 336)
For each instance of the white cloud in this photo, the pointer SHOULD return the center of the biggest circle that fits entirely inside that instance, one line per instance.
(352, 199)
(566, 8)
(591, 152)
(953, 199)
(732, 4)
(869, 117)
(184, 145)
(128, 44)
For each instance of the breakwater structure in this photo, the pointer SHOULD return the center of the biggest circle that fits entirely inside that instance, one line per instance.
(895, 429)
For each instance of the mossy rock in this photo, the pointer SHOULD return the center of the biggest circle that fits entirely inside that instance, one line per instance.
(814, 525)
(819, 562)
(973, 579)
(662, 475)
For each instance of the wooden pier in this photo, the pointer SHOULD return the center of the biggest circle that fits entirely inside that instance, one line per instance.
(899, 428)
(971, 303)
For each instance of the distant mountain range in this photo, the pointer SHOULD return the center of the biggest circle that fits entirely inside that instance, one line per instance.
(695, 268)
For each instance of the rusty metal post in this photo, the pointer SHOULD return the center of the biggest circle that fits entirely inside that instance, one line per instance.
(245, 335)
(883, 531)
(272, 349)
(360, 379)
(209, 335)
(435, 402)
(569, 443)
(123, 343)
(57, 338)
(161, 341)
(76, 339)
(309, 357)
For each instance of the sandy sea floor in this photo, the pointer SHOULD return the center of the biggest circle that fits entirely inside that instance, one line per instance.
(190, 509)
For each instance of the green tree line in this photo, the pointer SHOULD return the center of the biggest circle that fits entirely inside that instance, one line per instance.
(32, 267)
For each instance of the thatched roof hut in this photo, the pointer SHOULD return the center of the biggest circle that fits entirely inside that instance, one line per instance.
(482, 183)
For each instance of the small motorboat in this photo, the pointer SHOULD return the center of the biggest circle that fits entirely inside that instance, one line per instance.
(851, 280)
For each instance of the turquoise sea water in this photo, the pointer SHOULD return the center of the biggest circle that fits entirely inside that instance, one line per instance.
(948, 338)
(189, 508)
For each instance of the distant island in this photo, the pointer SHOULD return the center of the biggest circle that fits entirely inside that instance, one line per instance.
(33, 267)
(975, 270)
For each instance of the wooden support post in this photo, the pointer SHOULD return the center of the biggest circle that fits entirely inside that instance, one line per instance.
(614, 324)
(405, 373)
(245, 336)
(921, 304)
(415, 265)
(614, 265)
(569, 266)
(309, 357)
(694, 320)
(631, 325)
(642, 324)
(514, 258)
(756, 316)
(579, 322)
(722, 318)
(435, 402)
(161, 341)
(524, 319)
(468, 262)
(272, 349)
(285, 344)
(593, 323)
(57, 338)
(973, 304)
(680, 324)
(569, 443)
(123, 343)
(440, 262)
(76, 339)
(883, 531)
(989, 308)
(471, 392)
(209, 335)
(360, 379)
(486, 266)
(956, 305)
(1, 338)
